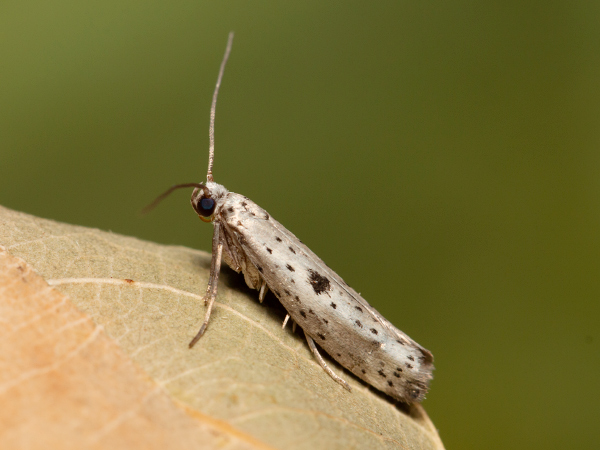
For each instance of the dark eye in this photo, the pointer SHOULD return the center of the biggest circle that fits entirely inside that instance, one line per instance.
(206, 207)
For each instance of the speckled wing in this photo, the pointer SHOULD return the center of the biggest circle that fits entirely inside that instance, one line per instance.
(349, 329)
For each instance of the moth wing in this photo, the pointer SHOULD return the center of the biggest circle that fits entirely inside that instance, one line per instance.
(340, 283)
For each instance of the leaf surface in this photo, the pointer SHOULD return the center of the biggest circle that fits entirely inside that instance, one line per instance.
(94, 351)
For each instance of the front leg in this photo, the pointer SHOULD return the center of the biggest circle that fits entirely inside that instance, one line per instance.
(213, 279)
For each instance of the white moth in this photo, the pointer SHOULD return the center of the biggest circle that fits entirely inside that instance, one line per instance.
(329, 311)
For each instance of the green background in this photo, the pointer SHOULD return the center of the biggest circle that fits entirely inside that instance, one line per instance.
(442, 157)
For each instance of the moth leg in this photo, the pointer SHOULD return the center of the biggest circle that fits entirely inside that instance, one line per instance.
(263, 291)
(322, 363)
(214, 269)
(293, 327)
(287, 317)
(211, 290)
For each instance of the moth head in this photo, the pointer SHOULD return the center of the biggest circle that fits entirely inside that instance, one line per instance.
(204, 203)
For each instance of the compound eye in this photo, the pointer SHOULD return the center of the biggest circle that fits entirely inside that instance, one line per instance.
(206, 208)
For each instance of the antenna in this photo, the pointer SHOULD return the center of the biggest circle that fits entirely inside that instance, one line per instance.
(213, 107)
(165, 194)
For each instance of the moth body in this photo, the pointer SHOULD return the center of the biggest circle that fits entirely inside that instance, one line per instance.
(333, 314)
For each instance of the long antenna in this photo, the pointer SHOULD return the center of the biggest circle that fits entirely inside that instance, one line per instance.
(165, 194)
(213, 107)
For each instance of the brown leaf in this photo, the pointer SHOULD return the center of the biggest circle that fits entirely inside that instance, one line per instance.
(126, 378)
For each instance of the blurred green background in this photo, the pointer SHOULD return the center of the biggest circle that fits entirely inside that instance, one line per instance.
(443, 157)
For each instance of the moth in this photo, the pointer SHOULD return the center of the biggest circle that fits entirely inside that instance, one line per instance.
(331, 313)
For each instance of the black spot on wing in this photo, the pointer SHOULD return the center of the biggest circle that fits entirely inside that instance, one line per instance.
(409, 366)
(426, 358)
(290, 268)
(358, 308)
(333, 305)
(382, 373)
(278, 239)
(269, 250)
(321, 335)
(373, 330)
(260, 269)
(357, 322)
(292, 250)
(411, 357)
(390, 384)
(303, 314)
(318, 282)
